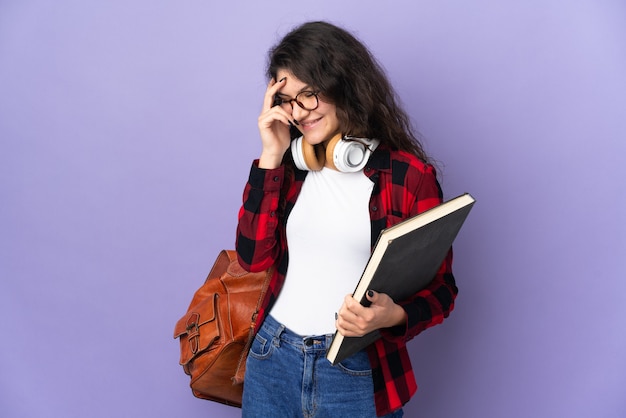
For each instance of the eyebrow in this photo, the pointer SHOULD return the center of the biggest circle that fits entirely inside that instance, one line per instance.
(305, 88)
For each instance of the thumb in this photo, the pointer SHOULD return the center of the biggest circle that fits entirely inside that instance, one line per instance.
(372, 296)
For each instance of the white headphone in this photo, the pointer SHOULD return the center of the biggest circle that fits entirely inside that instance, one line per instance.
(346, 154)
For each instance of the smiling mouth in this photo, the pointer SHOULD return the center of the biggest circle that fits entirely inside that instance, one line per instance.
(310, 123)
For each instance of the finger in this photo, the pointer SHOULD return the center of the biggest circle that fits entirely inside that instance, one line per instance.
(270, 92)
(346, 328)
(267, 118)
(353, 305)
(347, 316)
(349, 322)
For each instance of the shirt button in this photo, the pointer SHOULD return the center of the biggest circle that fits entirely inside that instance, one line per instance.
(272, 213)
(374, 208)
(276, 178)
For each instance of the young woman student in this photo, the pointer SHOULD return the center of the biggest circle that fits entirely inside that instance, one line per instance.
(339, 163)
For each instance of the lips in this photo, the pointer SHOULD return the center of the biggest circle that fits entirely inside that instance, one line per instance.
(308, 124)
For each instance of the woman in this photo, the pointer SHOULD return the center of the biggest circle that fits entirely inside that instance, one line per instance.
(339, 163)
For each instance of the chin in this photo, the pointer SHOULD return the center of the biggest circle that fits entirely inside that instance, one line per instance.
(313, 139)
(317, 138)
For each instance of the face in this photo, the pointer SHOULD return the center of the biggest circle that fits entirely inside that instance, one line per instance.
(318, 125)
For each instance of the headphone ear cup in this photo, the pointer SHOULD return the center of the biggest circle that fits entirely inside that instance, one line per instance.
(331, 148)
(306, 156)
(313, 156)
(350, 156)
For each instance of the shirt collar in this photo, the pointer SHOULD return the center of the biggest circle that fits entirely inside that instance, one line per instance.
(380, 159)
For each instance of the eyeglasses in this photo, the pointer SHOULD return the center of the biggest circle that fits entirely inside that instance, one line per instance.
(307, 100)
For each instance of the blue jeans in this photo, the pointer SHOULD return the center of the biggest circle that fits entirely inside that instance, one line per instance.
(287, 375)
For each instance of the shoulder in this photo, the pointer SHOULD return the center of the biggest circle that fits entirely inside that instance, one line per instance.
(411, 161)
(403, 167)
(412, 178)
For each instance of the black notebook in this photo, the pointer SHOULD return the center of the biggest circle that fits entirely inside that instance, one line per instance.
(405, 259)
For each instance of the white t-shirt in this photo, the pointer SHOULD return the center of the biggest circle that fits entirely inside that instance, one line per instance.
(329, 238)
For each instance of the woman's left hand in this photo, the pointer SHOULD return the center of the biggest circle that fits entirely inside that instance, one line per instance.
(355, 320)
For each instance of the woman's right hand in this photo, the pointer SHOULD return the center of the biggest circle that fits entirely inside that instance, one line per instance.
(274, 124)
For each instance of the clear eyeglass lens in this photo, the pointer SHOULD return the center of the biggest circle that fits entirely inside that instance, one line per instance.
(307, 99)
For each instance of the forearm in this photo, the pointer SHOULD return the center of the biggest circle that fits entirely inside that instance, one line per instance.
(258, 219)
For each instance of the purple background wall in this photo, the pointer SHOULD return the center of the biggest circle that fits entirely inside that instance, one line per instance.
(126, 133)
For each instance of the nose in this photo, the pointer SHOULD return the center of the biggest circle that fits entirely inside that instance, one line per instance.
(297, 112)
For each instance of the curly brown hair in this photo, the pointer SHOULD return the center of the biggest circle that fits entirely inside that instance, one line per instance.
(335, 63)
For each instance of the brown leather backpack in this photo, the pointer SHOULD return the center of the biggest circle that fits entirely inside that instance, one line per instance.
(218, 328)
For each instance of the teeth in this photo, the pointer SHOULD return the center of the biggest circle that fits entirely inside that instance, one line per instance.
(309, 123)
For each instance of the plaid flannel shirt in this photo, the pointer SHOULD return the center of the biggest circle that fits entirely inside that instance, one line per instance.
(403, 187)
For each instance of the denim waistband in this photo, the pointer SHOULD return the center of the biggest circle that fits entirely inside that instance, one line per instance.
(308, 342)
